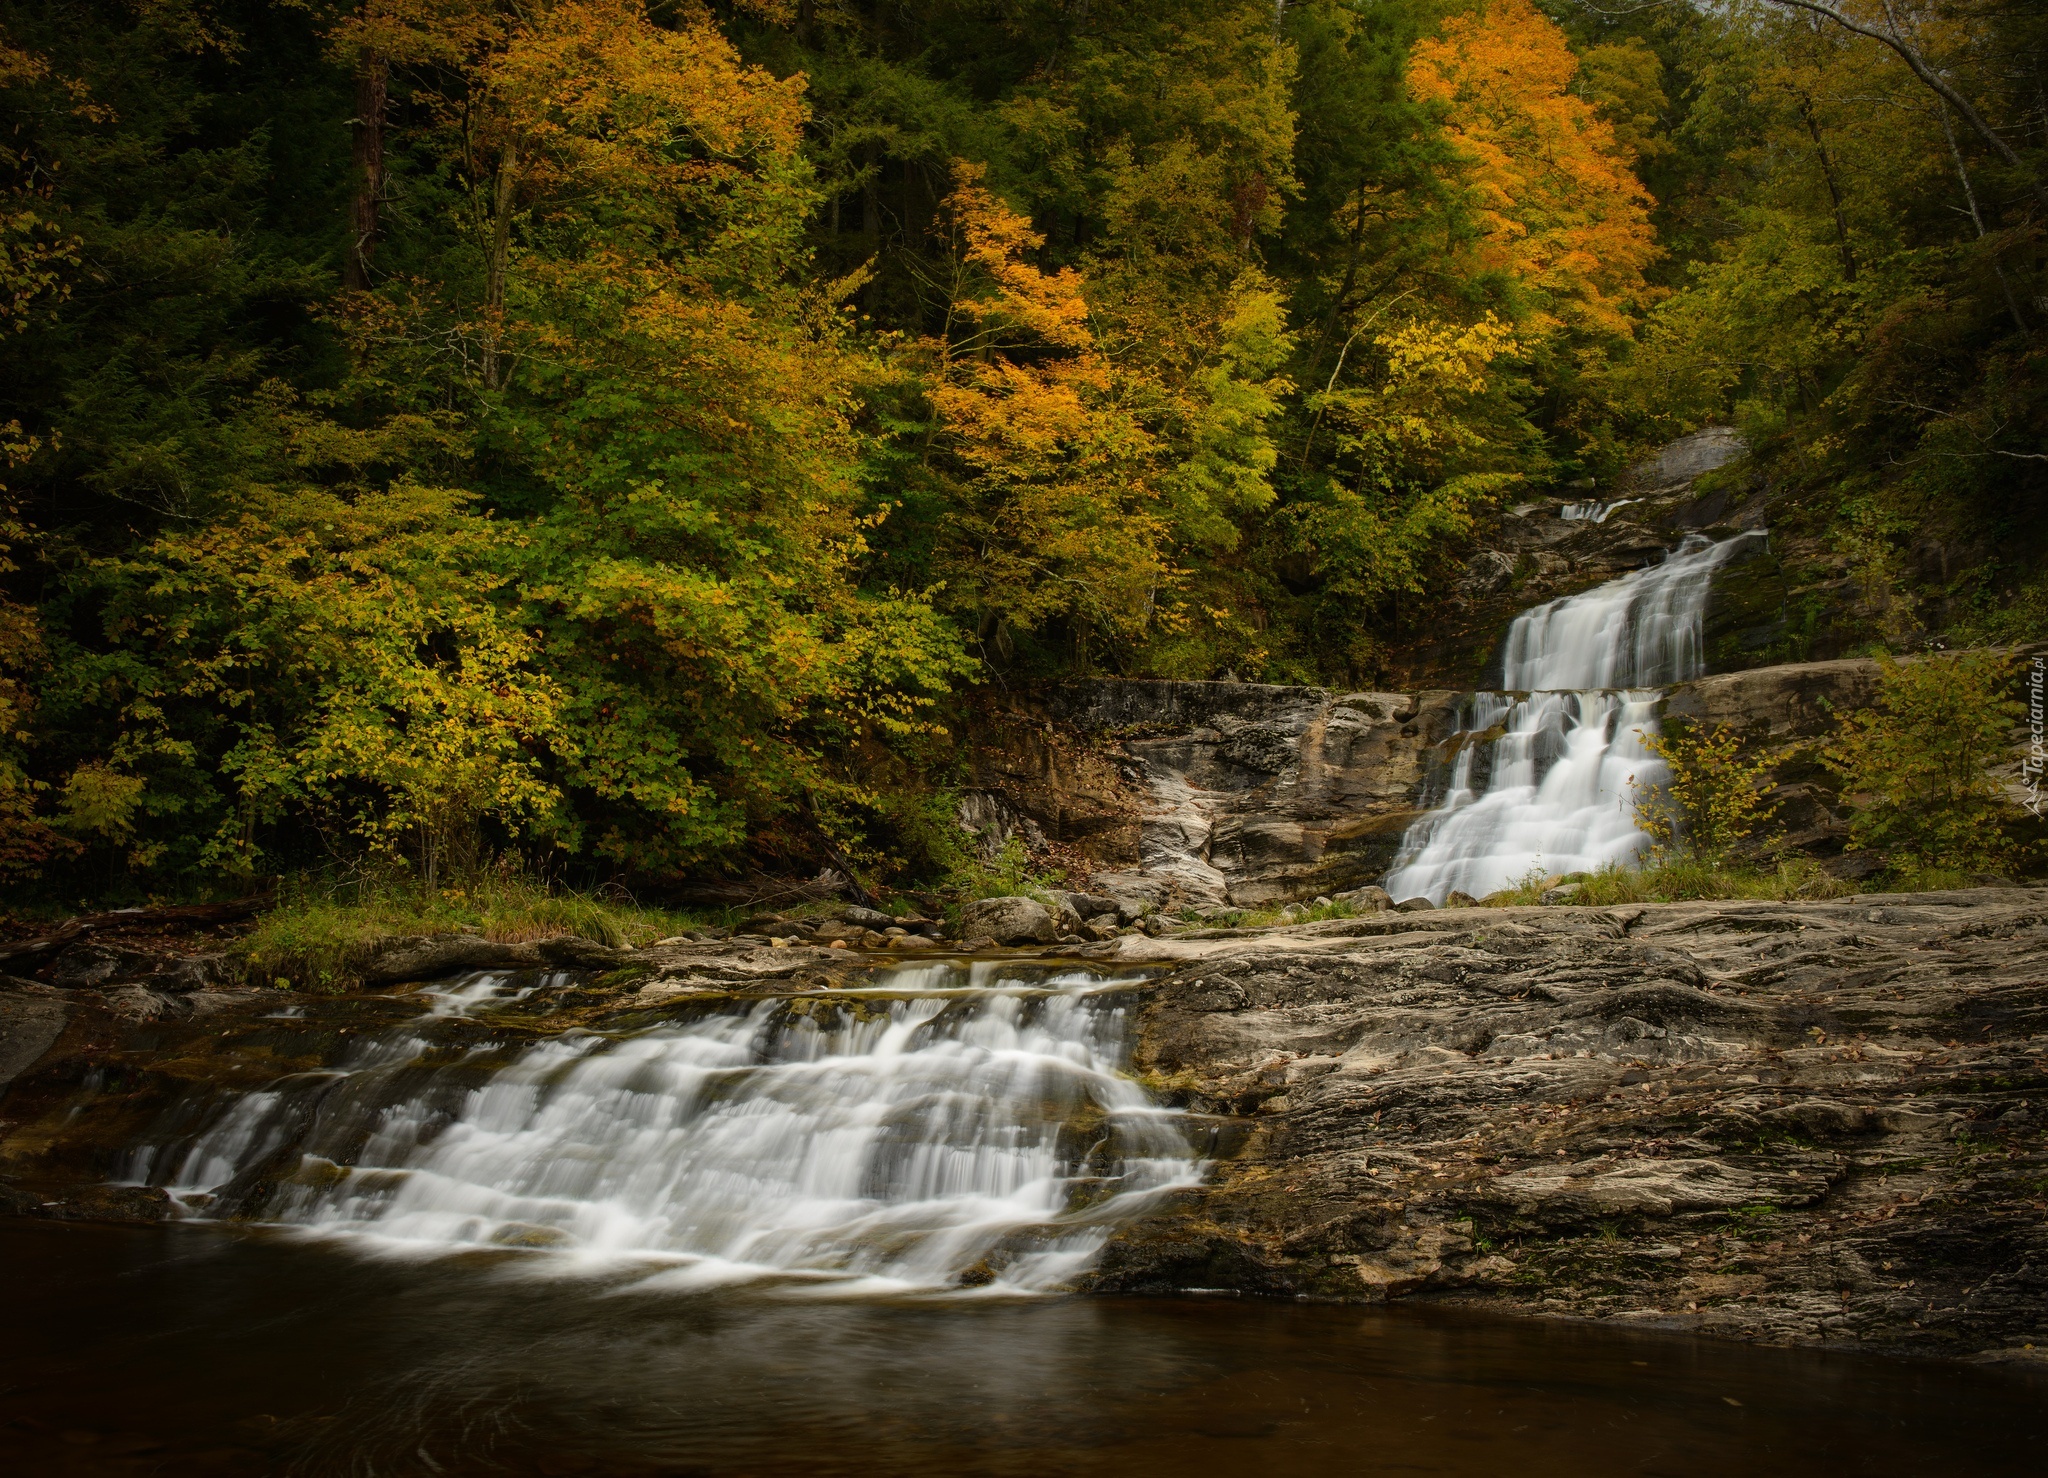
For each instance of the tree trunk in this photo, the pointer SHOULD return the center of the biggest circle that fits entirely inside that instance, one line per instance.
(1926, 73)
(504, 189)
(1827, 171)
(1955, 153)
(373, 77)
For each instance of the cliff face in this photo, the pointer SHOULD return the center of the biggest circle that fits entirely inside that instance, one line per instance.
(1791, 1122)
(1217, 793)
(1245, 795)
(1226, 794)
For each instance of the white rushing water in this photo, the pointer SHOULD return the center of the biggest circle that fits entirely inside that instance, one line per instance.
(969, 1127)
(1593, 510)
(1546, 771)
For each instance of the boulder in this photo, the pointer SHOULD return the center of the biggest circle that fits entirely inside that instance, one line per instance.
(1414, 905)
(1012, 920)
(429, 956)
(1367, 897)
(867, 918)
(1086, 905)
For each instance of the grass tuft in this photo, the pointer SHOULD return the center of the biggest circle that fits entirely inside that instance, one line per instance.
(324, 931)
(1678, 881)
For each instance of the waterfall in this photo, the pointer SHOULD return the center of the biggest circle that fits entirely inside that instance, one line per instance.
(1593, 510)
(952, 1125)
(1544, 773)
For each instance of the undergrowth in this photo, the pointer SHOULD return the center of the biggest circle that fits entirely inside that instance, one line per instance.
(1676, 881)
(323, 930)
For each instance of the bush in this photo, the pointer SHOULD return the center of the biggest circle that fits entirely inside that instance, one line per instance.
(1711, 803)
(1917, 767)
(324, 930)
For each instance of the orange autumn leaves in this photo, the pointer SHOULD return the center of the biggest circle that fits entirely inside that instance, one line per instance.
(1054, 513)
(1558, 207)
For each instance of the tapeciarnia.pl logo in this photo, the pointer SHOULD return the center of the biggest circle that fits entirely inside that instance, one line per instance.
(2037, 733)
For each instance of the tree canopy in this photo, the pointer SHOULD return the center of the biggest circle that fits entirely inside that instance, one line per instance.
(616, 430)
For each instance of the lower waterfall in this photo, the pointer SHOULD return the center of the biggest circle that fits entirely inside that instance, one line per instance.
(957, 1124)
(1545, 771)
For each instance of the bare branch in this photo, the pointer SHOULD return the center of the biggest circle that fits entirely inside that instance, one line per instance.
(1926, 73)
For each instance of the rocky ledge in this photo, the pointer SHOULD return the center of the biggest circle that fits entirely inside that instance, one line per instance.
(1813, 1122)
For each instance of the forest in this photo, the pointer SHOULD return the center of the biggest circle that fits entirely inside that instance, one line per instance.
(619, 436)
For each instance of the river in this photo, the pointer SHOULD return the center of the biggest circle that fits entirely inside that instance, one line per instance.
(210, 1350)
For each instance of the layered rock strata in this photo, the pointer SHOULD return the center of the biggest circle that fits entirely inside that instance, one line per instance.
(1810, 1122)
(1786, 1122)
(1240, 795)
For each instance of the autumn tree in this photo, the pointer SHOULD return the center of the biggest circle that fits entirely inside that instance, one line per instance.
(1560, 213)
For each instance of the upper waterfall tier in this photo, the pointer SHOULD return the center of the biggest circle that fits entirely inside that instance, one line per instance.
(1641, 631)
(1545, 772)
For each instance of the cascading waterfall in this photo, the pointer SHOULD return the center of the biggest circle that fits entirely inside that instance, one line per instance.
(963, 1124)
(1545, 772)
(1593, 510)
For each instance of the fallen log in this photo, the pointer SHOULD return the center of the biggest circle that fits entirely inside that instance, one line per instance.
(33, 952)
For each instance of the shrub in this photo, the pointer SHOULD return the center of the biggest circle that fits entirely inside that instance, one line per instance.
(1712, 802)
(1917, 766)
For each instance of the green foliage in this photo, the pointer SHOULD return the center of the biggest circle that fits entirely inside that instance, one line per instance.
(1009, 873)
(1917, 766)
(620, 453)
(1709, 802)
(1677, 881)
(326, 928)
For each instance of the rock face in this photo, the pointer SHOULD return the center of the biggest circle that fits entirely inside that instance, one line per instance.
(1812, 1122)
(1217, 793)
(1547, 548)
(1242, 795)
(1009, 921)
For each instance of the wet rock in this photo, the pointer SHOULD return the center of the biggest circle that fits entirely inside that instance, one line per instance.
(1740, 1110)
(427, 957)
(31, 1017)
(1012, 920)
(137, 1204)
(1414, 905)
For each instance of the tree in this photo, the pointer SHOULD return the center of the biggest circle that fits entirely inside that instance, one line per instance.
(1054, 511)
(1918, 765)
(1560, 211)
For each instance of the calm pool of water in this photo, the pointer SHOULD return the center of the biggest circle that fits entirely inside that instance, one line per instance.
(189, 1350)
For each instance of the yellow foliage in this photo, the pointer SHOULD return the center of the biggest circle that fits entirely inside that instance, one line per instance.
(1056, 513)
(1558, 207)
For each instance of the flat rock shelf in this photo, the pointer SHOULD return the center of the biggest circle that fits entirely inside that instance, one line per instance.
(1814, 1122)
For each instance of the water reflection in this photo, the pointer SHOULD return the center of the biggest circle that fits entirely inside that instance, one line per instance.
(197, 1351)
